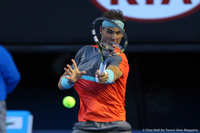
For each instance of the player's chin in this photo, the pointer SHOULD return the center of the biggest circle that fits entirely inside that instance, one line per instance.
(114, 46)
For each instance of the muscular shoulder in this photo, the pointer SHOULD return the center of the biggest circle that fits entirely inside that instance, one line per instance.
(85, 53)
(117, 60)
(87, 48)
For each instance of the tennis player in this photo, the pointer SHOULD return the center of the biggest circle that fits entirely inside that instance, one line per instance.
(102, 101)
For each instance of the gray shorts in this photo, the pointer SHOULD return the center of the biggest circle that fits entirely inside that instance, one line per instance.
(102, 127)
(3, 116)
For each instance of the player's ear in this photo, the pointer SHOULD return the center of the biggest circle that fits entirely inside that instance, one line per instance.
(124, 31)
(100, 30)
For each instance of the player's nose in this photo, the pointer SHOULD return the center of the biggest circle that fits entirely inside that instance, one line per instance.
(114, 36)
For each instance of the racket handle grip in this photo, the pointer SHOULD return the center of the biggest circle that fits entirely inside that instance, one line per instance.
(102, 67)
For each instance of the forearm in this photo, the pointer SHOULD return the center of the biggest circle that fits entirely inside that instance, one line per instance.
(63, 82)
(59, 83)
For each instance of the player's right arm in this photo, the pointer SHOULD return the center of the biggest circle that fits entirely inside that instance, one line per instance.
(59, 83)
(105, 77)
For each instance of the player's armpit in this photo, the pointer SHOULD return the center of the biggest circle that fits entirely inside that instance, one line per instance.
(117, 72)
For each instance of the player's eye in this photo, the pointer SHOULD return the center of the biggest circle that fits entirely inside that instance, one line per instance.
(109, 31)
(118, 33)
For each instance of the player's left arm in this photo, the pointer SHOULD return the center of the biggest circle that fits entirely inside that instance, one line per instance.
(111, 74)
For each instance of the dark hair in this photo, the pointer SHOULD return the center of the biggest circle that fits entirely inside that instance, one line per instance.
(115, 14)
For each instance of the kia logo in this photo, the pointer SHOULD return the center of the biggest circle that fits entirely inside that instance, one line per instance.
(150, 10)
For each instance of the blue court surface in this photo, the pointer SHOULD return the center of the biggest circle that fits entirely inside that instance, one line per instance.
(134, 131)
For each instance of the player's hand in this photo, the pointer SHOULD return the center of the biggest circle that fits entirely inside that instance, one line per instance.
(74, 74)
(102, 78)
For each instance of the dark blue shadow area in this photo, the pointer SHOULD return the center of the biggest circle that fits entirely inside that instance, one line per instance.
(134, 131)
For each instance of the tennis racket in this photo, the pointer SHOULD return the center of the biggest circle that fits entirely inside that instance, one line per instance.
(122, 45)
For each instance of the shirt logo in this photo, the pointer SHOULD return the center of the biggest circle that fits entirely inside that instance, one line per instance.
(150, 10)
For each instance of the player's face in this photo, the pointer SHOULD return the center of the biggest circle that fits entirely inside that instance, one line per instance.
(110, 35)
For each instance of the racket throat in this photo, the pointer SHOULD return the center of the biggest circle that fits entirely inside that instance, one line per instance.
(102, 67)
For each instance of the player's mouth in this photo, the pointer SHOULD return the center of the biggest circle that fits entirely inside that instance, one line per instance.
(114, 45)
(110, 46)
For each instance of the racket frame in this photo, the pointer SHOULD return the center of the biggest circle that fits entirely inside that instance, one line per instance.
(103, 64)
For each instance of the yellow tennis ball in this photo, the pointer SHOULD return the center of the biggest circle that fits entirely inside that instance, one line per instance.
(69, 101)
(107, 47)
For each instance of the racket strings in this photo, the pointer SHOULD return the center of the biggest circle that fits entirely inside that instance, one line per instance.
(108, 47)
(106, 53)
